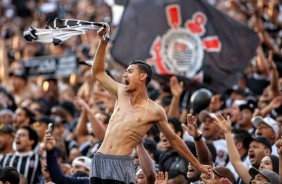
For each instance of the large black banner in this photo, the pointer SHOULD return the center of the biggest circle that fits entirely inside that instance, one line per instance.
(188, 38)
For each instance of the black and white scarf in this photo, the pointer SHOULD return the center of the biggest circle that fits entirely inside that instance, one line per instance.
(59, 30)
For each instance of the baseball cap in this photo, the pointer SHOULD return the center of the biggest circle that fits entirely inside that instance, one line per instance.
(7, 129)
(248, 105)
(204, 113)
(267, 120)
(260, 139)
(82, 161)
(44, 119)
(239, 102)
(270, 175)
(6, 111)
(224, 172)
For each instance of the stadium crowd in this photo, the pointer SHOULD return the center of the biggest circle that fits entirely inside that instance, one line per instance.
(238, 132)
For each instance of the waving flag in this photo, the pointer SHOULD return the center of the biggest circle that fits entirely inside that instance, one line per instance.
(188, 38)
(59, 30)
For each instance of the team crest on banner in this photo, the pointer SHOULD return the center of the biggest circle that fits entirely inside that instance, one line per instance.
(187, 38)
(180, 50)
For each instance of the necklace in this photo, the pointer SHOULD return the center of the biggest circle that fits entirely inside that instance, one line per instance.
(138, 119)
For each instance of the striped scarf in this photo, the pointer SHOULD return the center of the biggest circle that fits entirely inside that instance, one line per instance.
(59, 30)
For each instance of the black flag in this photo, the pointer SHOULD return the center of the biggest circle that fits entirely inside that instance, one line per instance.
(188, 38)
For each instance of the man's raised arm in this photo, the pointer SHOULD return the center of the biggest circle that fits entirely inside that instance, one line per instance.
(98, 66)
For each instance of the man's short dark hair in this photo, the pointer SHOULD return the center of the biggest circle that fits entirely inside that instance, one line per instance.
(28, 112)
(240, 134)
(143, 67)
(150, 145)
(176, 125)
(9, 174)
(32, 135)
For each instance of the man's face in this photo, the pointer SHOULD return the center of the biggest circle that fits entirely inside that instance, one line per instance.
(77, 167)
(140, 177)
(4, 140)
(18, 83)
(164, 142)
(23, 143)
(216, 179)
(6, 118)
(256, 152)
(234, 113)
(210, 129)
(58, 130)
(245, 117)
(131, 77)
(265, 131)
(215, 103)
(135, 157)
(193, 173)
(259, 179)
(20, 117)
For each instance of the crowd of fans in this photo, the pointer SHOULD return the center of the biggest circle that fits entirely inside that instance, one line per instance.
(237, 132)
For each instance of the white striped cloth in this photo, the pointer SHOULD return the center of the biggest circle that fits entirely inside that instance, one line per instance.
(59, 30)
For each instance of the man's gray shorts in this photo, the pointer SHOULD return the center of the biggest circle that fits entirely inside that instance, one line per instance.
(112, 169)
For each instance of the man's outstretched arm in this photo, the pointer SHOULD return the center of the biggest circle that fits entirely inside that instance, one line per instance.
(178, 145)
(98, 66)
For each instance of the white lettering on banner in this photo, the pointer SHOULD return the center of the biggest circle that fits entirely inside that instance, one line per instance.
(48, 65)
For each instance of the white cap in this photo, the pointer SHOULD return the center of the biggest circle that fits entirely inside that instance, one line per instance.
(267, 120)
(83, 161)
(204, 113)
(6, 111)
(238, 102)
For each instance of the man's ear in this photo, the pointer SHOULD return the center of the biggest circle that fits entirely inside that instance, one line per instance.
(143, 76)
(239, 145)
(267, 151)
(31, 142)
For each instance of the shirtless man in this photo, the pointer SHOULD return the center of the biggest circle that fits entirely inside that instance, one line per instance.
(133, 116)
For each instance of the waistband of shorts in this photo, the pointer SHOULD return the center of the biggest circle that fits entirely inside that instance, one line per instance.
(119, 157)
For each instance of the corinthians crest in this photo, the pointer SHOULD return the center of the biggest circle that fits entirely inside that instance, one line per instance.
(181, 49)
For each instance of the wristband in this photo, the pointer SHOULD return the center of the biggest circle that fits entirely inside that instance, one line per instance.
(198, 138)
